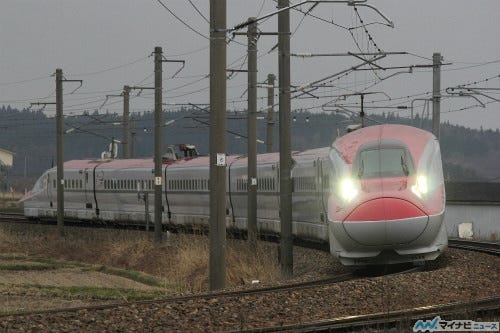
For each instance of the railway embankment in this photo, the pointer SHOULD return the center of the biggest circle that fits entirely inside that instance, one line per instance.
(120, 280)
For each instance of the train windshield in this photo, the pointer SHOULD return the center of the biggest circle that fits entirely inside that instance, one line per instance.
(382, 163)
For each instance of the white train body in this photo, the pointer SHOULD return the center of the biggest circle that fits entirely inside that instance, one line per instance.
(114, 191)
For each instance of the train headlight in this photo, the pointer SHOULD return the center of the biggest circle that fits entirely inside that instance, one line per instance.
(420, 188)
(348, 189)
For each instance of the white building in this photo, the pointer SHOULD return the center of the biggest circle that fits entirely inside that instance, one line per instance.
(6, 157)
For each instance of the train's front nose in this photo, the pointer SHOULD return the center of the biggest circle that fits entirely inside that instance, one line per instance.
(385, 221)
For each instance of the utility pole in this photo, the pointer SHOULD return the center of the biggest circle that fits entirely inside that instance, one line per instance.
(252, 134)
(217, 267)
(286, 244)
(59, 146)
(252, 37)
(132, 139)
(436, 93)
(112, 147)
(412, 106)
(126, 98)
(158, 141)
(59, 151)
(270, 113)
(126, 122)
(158, 126)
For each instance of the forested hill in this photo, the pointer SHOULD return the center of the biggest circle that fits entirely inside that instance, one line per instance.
(468, 154)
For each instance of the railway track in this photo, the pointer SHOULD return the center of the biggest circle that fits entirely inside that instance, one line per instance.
(401, 320)
(12, 217)
(237, 293)
(471, 245)
(478, 246)
(253, 291)
(397, 320)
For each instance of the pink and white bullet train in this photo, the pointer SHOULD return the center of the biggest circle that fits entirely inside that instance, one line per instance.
(389, 202)
(376, 196)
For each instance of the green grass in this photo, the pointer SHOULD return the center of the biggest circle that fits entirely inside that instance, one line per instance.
(27, 267)
(84, 293)
(41, 264)
(37, 263)
(131, 275)
(99, 293)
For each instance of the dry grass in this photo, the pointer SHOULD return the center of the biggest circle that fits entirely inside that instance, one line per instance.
(10, 195)
(9, 201)
(180, 262)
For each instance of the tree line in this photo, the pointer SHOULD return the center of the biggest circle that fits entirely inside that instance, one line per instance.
(468, 154)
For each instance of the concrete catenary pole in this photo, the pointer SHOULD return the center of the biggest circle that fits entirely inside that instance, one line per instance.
(132, 138)
(436, 93)
(217, 267)
(270, 114)
(252, 134)
(158, 141)
(286, 245)
(59, 143)
(126, 122)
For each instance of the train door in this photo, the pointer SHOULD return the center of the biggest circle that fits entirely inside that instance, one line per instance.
(326, 174)
(236, 193)
(87, 187)
(305, 193)
(51, 182)
(167, 189)
(267, 196)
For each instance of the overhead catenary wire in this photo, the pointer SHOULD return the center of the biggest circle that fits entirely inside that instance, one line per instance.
(261, 8)
(318, 18)
(170, 89)
(182, 21)
(25, 81)
(198, 11)
(471, 66)
(110, 68)
(73, 107)
(188, 52)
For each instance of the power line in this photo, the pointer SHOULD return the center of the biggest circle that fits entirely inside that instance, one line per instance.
(198, 11)
(188, 52)
(303, 17)
(474, 63)
(370, 38)
(111, 68)
(182, 21)
(24, 81)
(188, 84)
(468, 107)
(261, 8)
(419, 56)
(472, 66)
(319, 18)
(480, 81)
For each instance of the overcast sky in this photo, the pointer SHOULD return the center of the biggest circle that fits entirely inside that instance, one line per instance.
(108, 44)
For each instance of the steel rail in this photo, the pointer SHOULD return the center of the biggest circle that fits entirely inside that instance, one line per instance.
(14, 217)
(465, 244)
(234, 293)
(401, 319)
(474, 245)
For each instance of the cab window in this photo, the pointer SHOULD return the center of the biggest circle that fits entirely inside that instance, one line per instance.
(382, 163)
